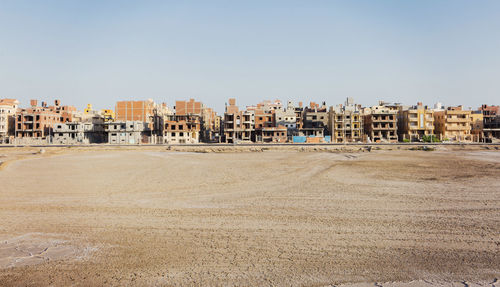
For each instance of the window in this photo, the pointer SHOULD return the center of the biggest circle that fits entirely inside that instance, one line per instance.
(173, 134)
(181, 134)
(173, 127)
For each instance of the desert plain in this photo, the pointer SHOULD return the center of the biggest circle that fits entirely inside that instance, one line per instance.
(156, 216)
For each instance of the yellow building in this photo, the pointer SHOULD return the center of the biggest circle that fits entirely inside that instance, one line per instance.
(88, 110)
(416, 122)
(217, 123)
(477, 125)
(108, 115)
(453, 124)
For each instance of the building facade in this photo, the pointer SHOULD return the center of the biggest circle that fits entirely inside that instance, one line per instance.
(345, 123)
(79, 132)
(183, 129)
(35, 124)
(491, 122)
(127, 132)
(415, 123)
(453, 124)
(315, 121)
(8, 108)
(238, 125)
(381, 123)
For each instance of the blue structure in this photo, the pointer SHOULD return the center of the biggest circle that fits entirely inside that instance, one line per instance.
(299, 139)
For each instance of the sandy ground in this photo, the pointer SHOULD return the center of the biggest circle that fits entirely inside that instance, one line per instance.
(131, 216)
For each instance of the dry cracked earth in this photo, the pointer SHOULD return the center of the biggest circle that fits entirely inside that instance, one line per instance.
(274, 218)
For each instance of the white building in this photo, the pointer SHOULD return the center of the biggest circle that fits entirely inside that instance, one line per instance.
(8, 109)
(287, 117)
(127, 132)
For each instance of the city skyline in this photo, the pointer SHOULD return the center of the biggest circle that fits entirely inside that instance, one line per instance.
(102, 52)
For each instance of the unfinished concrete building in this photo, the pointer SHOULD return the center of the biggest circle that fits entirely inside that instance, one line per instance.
(207, 120)
(238, 125)
(491, 122)
(415, 122)
(35, 124)
(315, 121)
(381, 123)
(181, 129)
(263, 120)
(127, 132)
(273, 134)
(288, 118)
(453, 124)
(80, 132)
(345, 122)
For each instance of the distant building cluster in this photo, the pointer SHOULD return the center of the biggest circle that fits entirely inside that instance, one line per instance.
(189, 122)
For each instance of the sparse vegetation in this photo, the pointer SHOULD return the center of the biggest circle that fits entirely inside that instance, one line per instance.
(430, 139)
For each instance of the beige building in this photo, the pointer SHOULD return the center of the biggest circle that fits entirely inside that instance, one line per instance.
(415, 122)
(453, 124)
(477, 126)
(345, 123)
(8, 109)
(381, 123)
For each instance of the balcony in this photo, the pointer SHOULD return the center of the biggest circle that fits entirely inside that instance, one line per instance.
(457, 120)
(457, 128)
(384, 128)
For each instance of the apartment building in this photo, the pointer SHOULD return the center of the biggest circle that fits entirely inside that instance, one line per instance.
(188, 107)
(263, 120)
(8, 108)
(207, 117)
(453, 124)
(299, 116)
(218, 128)
(108, 115)
(238, 125)
(36, 123)
(208, 125)
(267, 106)
(127, 132)
(142, 111)
(477, 125)
(272, 134)
(491, 121)
(80, 132)
(181, 129)
(381, 123)
(315, 121)
(345, 122)
(415, 122)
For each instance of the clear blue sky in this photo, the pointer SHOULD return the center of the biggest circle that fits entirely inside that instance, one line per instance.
(102, 51)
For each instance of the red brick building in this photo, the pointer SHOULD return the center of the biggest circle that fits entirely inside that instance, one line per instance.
(38, 121)
(135, 111)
